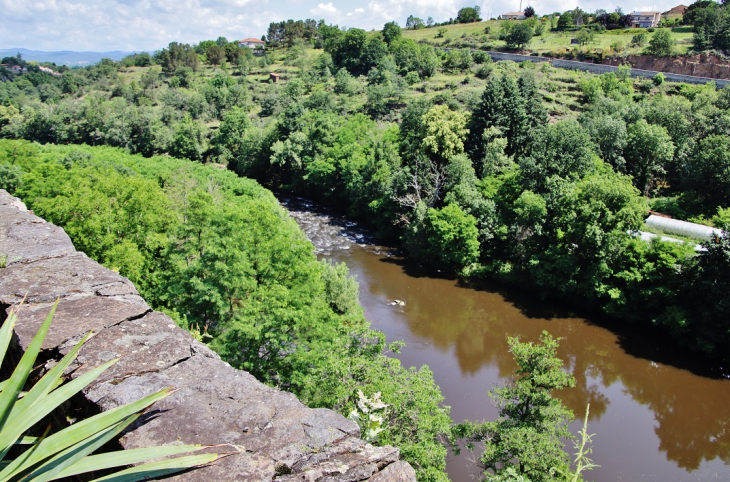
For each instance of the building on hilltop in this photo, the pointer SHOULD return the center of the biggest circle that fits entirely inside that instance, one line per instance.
(677, 11)
(252, 43)
(513, 16)
(15, 68)
(645, 19)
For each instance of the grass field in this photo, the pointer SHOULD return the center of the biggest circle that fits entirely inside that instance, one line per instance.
(473, 35)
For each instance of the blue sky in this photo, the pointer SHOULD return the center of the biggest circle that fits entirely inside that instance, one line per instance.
(104, 25)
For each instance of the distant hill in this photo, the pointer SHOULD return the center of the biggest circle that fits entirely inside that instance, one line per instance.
(64, 57)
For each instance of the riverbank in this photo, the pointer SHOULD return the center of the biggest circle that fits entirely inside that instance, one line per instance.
(650, 422)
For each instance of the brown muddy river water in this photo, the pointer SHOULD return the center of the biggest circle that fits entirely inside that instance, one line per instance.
(656, 415)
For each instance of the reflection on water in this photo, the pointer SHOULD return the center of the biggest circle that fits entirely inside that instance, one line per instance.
(653, 421)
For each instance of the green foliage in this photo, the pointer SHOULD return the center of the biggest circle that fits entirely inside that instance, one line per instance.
(414, 420)
(527, 436)
(639, 40)
(649, 149)
(585, 36)
(445, 132)
(391, 32)
(708, 297)
(451, 237)
(219, 254)
(661, 44)
(711, 27)
(520, 35)
(10, 177)
(510, 107)
(562, 151)
(566, 21)
(709, 171)
(341, 290)
(469, 15)
(722, 219)
(67, 452)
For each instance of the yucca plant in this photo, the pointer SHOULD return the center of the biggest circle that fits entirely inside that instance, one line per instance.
(68, 452)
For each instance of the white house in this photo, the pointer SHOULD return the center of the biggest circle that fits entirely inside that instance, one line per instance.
(513, 16)
(252, 43)
(645, 19)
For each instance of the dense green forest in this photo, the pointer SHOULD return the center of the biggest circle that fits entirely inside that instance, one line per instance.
(220, 255)
(524, 174)
(520, 173)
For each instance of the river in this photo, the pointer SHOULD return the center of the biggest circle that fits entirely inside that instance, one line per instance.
(657, 415)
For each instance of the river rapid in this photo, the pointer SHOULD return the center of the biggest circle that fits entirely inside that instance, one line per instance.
(657, 415)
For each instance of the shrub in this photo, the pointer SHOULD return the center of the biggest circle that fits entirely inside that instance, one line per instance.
(412, 77)
(658, 79)
(484, 71)
(639, 40)
(481, 57)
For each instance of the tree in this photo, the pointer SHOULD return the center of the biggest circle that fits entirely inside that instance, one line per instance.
(230, 135)
(529, 12)
(661, 44)
(414, 23)
(566, 21)
(639, 40)
(189, 140)
(526, 438)
(709, 171)
(563, 150)
(520, 35)
(648, 149)
(451, 237)
(610, 136)
(391, 32)
(708, 297)
(215, 54)
(445, 132)
(513, 108)
(469, 15)
(585, 36)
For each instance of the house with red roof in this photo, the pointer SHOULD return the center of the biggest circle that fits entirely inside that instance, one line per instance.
(252, 43)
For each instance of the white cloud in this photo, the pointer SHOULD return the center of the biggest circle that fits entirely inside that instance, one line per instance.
(324, 8)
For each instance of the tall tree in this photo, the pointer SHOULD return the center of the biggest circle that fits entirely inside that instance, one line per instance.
(469, 14)
(502, 106)
(391, 32)
(648, 150)
(526, 438)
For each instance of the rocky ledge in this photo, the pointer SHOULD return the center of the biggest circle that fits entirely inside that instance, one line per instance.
(272, 435)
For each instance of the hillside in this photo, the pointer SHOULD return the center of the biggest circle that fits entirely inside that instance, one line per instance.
(486, 36)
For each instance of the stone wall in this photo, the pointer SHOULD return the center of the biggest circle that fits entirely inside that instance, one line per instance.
(278, 437)
(706, 64)
(649, 74)
(603, 68)
(497, 56)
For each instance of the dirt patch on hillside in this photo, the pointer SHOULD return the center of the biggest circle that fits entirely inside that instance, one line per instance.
(700, 65)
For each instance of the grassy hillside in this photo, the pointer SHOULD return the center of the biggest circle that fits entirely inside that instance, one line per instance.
(551, 42)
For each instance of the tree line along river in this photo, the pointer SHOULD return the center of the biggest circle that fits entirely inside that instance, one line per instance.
(657, 415)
